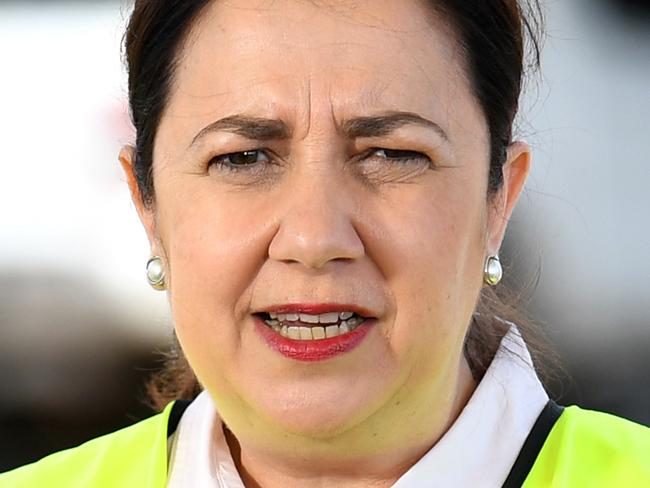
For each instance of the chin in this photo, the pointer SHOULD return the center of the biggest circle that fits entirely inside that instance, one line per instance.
(320, 425)
(319, 413)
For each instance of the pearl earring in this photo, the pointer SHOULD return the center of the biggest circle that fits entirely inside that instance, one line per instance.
(493, 271)
(156, 273)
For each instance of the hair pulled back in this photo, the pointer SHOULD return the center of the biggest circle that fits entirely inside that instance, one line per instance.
(496, 38)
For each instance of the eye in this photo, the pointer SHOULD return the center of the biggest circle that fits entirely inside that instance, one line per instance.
(240, 159)
(399, 155)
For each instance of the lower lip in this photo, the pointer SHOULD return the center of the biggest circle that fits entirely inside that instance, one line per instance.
(315, 350)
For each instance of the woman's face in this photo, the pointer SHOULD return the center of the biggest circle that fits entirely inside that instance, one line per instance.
(324, 157)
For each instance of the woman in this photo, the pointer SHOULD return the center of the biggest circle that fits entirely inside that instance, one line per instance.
(325, 187)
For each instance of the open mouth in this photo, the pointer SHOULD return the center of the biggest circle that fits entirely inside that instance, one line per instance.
(308, 327)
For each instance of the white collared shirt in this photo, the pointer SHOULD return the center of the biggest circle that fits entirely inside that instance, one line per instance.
(477, 451)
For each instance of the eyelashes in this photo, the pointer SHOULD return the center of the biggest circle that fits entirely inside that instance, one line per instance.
(400, 156)
(237, 161)
(251, 160)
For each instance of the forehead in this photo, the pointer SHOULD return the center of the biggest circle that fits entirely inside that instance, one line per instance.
(276, 57)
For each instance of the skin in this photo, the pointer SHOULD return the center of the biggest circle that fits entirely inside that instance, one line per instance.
(321, 216)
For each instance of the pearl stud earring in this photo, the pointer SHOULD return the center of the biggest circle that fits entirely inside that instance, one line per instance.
(493, 271)
(156, 273)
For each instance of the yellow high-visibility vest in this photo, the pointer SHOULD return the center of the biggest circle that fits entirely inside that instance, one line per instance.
(592, 449)
(569, 448)
(131, 457)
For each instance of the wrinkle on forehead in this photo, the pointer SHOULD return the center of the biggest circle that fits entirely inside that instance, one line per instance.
(367, 18)
(347, 11)
(294, 63)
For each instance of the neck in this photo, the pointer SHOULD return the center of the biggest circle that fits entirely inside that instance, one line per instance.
(263, 469)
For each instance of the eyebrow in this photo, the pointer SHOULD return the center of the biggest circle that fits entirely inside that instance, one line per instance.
(384, 124)
(254, 128)
(263, 129)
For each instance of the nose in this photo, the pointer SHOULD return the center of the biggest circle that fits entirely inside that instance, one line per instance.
(317, 226)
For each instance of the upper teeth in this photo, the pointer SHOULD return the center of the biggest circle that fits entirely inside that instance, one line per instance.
(323, 318)
(333, 324)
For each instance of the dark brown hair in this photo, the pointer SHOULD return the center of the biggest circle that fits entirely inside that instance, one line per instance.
(496, 38)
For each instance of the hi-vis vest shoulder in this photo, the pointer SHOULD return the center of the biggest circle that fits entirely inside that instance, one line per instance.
(566, 448)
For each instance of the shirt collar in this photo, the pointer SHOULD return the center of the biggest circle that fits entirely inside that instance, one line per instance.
(478, 450)
(482, 444)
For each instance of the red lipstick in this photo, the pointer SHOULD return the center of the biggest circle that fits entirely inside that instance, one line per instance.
(315, 349)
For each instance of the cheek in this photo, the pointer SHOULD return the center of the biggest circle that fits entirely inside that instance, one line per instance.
(435, 265)
(213, 251)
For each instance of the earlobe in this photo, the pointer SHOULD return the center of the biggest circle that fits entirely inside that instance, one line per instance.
(515, 173)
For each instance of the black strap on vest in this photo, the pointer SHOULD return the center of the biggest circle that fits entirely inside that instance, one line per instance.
(533, 445)
(175, 415)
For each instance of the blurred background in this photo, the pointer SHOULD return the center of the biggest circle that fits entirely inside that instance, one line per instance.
(79, 326)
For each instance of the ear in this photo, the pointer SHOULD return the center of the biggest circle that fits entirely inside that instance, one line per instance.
(145, 212)
(515, 172)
